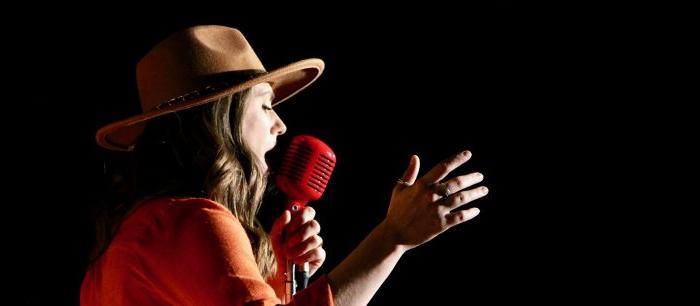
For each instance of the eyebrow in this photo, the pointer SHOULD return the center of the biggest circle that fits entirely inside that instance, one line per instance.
(270, 92)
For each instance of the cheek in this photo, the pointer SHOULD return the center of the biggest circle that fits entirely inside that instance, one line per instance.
(251, 120)
(256, 131)
(263, 124)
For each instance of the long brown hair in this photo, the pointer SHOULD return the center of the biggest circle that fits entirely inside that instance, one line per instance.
(199, 152)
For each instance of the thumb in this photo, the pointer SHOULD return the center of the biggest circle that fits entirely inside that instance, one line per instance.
(279, 225)
(411, 173)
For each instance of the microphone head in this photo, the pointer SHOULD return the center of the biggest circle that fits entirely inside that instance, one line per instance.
(305, 170)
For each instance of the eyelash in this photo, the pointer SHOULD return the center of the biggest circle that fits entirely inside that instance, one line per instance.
(265, 107)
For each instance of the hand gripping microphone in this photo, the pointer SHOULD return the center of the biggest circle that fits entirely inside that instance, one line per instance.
(303, 176)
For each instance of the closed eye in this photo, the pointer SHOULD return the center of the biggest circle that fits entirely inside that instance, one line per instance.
(271, 94)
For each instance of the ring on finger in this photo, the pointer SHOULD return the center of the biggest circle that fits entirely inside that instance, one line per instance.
(447, 192)
(444, 192)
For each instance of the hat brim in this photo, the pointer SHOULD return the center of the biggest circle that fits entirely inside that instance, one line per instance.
(286, 82)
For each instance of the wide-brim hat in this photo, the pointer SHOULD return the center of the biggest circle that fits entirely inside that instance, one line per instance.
(196, 66)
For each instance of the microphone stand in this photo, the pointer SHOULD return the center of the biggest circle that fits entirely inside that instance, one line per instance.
(290, 282)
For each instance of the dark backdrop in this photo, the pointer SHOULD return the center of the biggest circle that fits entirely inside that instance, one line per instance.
(561, 107)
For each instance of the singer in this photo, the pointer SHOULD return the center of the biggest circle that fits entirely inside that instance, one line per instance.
(184, 228)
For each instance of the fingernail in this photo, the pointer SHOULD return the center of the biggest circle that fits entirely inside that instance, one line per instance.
(466, 153)
(484, 190)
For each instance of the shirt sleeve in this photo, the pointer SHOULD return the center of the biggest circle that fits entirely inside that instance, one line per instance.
(199, 254)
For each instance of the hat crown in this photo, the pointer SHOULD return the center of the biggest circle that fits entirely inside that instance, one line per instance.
(190, 60)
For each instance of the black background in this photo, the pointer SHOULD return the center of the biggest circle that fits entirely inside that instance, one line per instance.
(572, 114)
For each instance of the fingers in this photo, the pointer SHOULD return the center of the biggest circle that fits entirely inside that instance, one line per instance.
(305, 215)
(315, 255)
(302, 233)
(442, 169)
(305, 232)
(409, 176)
(464, 197)
(304, 247)
(279, 225)
(461, 216)
(456, 184)
(315, 258)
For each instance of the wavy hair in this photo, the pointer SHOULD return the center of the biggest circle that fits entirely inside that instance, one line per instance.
(199, 152)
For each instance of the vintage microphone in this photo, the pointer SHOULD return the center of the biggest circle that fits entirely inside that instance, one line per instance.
(303, 176)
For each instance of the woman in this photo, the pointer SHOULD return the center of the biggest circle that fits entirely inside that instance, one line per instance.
(187, 232)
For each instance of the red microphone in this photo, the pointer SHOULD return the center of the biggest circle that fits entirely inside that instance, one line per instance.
(303, 176)
(305, 170)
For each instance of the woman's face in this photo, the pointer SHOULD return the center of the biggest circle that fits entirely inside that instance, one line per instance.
(260, 124)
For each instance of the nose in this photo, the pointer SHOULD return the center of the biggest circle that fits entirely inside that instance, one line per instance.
(279, 127)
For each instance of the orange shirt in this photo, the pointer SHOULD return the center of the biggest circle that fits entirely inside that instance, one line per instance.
(185, 251)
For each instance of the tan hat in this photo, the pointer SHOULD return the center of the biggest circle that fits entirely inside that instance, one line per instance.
(196, 66)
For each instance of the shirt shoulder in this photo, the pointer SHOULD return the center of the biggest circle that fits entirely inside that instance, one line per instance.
(167, 217)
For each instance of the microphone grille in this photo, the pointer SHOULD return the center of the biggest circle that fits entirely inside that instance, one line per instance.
(307, 167)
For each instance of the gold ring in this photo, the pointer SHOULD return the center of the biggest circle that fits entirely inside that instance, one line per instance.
(447, 192)
(402, 182)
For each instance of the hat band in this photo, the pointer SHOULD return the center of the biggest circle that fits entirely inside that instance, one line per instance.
(230, 80)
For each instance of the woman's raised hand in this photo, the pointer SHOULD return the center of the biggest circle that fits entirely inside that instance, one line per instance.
(420, 209)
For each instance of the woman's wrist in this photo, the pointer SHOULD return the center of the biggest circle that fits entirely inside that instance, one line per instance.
(391, 236)
(277, 282)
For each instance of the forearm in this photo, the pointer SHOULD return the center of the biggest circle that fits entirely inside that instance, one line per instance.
(357, 278)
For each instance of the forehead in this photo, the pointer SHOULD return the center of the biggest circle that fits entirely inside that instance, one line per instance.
(262, 88)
